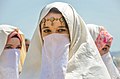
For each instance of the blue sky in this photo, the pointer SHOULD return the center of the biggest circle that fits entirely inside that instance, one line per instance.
(25, 13)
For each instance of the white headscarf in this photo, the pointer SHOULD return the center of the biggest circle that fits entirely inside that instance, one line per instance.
(84, 59)
(113, 71)
(5, 30)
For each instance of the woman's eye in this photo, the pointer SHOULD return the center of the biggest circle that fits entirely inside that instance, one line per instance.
(46, 31)
(27, 44)
(19, 47)
(8, 47)
(61, 30)
(104, 49)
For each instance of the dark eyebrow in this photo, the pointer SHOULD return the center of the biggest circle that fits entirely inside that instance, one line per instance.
(62, 26)
(44, 27)
(12, 45)
(8, 45)
(107, 45)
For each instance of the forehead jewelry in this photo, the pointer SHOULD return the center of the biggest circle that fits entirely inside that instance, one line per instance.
(43, 21)
(52, 19)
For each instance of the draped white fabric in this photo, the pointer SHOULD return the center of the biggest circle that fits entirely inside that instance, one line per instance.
(94, 30)
(84, 61)
(113, 71)
(11, 61)
(54, 56)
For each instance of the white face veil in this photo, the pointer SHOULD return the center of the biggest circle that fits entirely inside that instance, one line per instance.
(84, 60)
(107, 59)
(54, 56)
(9, 62)
(5, 65)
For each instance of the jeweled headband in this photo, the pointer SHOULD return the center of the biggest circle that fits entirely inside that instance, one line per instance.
(52, 19)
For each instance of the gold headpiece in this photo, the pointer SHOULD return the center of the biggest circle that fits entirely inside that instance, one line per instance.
(52, 19)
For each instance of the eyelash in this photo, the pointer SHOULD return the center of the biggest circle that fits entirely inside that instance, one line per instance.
(61, 30)
(19, 47)
(9, 47)
(104, 49)
(49, 31)
(46, 31)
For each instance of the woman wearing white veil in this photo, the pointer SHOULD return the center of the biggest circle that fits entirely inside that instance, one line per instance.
(68, 53)
(103, 42)
(12, 52)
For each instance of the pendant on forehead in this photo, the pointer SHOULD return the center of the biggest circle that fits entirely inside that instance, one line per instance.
(52, 19)
(43, 21)
(61, 20)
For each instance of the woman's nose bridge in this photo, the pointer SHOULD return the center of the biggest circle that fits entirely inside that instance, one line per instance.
(54, 29)
(14, 47)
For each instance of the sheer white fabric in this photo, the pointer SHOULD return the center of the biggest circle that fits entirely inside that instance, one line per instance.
(9, 61)
(54, 56)
(7, 73)
(114, 73)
